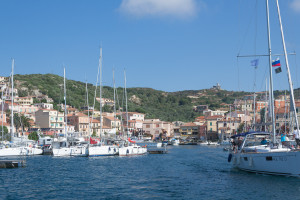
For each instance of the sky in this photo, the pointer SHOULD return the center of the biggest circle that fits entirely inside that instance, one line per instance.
(168, 45)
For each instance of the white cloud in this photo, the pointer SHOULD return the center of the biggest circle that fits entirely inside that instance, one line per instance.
(295, 5)
(172, 8)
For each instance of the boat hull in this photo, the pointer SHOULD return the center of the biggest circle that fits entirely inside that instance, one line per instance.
(132, 150)
(276, 163)
(103, 151)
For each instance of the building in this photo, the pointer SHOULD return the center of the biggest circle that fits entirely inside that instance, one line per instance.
(105, 101)
(3, 117)
(112, 123)
(24, 100)
(190, 130)
(212, 126)
(158, 128)
(27, 109)
(134, 116)
(44, 105)
(80, 122)
(214, 112)
(50, 119)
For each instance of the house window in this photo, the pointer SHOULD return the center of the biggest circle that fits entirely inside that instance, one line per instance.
(211, 123)
(210, 129)
(147, 126)
(157, 125)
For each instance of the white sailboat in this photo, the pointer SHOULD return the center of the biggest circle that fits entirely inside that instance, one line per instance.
(132, 148)
(272, 157)
(61, 146)
(11, 149)
(101, 149)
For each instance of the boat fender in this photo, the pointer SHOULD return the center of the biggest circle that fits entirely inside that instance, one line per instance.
(229, 157)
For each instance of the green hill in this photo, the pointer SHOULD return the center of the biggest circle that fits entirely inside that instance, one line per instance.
(168, 106)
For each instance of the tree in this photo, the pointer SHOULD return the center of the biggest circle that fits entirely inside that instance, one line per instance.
(94, 134)
(241, 127)
(33, 136)
(6, 136)
(20, 121)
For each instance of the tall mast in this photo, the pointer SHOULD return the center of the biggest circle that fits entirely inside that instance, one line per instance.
(12, 99)
(114, 99)
(288, 69)
(126, 101)
(2, 111)
(100, 65)
(87, 104)
(96, 92)
(65, 98)
(270, 70)
(254, 121)
(230, 120)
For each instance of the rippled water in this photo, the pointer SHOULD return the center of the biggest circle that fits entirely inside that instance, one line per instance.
(186, 172)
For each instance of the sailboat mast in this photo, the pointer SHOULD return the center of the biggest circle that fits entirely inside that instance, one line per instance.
(126, 101)
(230, 121)
(100, 65)
(65, 98)
(114, 99)
(254, 121)
(12, 99)
(270, 71)
(87, 104)
(288, 69)
(2, 111)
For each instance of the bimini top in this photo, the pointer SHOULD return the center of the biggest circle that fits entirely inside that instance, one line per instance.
(250, 133)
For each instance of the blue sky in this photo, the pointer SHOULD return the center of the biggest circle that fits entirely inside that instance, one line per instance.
(169, 45)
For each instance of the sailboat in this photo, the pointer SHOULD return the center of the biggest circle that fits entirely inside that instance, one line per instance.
(101, 149)
(132, 148)
(11, 148)
(61, 146)
(269, 158)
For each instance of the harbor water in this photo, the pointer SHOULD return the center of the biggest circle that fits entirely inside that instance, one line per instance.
(185, 172)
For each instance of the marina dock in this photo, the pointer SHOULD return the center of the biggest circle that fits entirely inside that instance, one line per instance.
(12, 163)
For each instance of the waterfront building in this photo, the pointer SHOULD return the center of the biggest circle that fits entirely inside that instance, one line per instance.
(189, 130)
(212, 127)
(80, 121)
(111, 122)
(158, 128)
(50, 119)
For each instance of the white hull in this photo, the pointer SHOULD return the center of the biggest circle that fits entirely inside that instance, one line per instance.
(103, 150)
(12, 151)
(31, 151)
(278, 162)
(80, 151)
(132, 150)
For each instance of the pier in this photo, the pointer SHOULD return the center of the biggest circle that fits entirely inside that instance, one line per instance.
(12, 163)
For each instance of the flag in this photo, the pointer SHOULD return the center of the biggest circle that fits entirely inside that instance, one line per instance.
(254, 63)
(278, 70)
(276, 63)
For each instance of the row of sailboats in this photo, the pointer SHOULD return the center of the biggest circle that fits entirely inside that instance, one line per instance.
(62, 147)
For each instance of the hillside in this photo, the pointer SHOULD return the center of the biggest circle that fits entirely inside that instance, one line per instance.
(168, 106)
